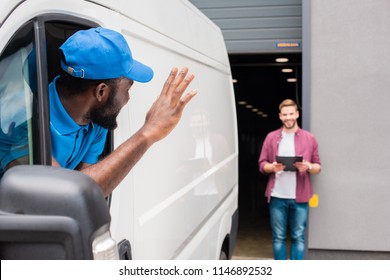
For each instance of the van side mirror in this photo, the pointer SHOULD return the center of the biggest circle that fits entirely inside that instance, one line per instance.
(52, 213)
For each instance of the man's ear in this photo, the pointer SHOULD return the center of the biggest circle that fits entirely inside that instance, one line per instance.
(102, 92)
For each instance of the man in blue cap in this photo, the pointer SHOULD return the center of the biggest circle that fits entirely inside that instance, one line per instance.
(98, 72)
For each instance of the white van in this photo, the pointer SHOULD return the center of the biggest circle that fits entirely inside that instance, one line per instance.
(180, 200)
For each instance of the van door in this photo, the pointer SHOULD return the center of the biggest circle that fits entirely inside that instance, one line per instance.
(35, 222)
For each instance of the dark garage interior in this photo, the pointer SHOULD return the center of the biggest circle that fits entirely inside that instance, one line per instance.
(260, 84)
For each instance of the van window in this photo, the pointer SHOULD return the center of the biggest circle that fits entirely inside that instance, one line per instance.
(57, 32)
(19, 143)
(17, 88)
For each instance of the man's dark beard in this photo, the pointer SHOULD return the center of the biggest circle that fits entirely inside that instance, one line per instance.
(108, 122)
(106, 114)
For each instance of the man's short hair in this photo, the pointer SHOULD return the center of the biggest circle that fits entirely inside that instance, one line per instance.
(286, 103)
(72, 85)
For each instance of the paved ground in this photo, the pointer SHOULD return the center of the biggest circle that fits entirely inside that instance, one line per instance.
(254, 238)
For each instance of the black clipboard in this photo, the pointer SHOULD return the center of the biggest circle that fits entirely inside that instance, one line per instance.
(289, 162)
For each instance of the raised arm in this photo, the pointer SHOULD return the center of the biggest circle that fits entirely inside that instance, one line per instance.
(161, 119)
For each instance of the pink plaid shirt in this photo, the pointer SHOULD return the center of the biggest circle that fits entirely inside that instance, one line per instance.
(305, 145)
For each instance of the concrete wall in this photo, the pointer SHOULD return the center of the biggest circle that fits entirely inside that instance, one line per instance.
(346, 94)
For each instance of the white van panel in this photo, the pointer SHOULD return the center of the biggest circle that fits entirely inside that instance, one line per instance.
(27, 10)
(175, 187)
(7, 7)
(178, 189)
(177, 19)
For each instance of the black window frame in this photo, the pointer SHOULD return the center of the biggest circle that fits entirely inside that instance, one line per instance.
(41, 127)
(41, 135)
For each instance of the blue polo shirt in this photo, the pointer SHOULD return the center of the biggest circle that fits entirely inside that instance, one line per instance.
(72, 143)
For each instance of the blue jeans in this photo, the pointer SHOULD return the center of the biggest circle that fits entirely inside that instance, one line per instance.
(284, 212)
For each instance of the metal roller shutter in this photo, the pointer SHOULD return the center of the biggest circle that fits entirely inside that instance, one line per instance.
(256, 26)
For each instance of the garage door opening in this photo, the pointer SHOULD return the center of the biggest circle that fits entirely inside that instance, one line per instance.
(260, 83)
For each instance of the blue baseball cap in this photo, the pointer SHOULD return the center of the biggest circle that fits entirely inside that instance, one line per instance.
(99, 54)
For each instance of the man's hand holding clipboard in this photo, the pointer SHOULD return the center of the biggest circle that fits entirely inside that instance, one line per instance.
(290, 163)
